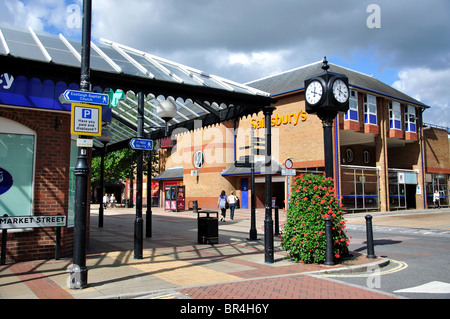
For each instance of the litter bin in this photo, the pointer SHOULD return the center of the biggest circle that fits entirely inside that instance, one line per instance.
(208, 227)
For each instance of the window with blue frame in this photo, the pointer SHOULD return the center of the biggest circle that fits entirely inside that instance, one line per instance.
(395, 115)
(370, 109)
(410, 118)
(352, 113)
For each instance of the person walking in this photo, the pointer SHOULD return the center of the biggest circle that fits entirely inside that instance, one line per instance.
(105, 201)
(232, 201)
(436, 198)
(113, 201)
(222, 203)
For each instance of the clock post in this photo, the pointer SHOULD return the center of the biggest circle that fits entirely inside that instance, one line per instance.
(326, 95)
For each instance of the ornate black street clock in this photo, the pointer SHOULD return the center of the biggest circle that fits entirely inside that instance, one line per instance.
(327, 94)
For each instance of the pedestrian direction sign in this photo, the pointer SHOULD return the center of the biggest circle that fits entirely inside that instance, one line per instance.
(141, 144)
(73, 96)
(86, 119)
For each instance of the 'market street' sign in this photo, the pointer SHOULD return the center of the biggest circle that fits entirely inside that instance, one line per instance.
(32, 221)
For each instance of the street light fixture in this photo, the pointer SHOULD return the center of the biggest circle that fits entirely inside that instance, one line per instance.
(166, 110)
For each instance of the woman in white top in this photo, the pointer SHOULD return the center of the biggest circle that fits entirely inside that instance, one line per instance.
(232, 201)
(436, 198)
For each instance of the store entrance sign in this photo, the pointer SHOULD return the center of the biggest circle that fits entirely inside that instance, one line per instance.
(277, 120)
(86, 119)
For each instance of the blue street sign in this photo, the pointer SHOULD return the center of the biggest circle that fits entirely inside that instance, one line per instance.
(141, 144)
(74, 96)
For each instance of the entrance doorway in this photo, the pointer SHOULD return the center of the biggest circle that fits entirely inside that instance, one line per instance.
(278, 191)
(402, 189)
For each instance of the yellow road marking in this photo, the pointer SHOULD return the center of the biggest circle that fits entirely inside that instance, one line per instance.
(399, 265)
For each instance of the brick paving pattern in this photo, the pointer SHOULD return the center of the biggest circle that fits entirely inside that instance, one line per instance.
(285, 287)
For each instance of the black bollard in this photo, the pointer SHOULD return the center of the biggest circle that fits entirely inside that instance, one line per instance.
(277, 222)
(329, 249)
(369, 233)
(195, 207)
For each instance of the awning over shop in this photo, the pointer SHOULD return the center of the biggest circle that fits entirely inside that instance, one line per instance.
(174, 172)
(37, 68)
(260, 168)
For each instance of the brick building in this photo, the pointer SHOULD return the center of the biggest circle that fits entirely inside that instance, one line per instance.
(36, 148)
(383, 159)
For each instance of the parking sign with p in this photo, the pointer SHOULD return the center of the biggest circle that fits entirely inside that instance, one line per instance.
(86, 119)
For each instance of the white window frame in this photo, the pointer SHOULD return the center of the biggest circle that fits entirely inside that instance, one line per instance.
(410, 118)
(370, 108)
(353, 106)
(395, 114)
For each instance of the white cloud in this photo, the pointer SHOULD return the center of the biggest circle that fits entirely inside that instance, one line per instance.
(429, 87)
(250, 39)
(41, 15)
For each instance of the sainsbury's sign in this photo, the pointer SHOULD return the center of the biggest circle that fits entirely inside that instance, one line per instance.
(277, 120)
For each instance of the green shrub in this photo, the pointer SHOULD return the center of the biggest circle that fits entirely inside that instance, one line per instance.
(303, 236)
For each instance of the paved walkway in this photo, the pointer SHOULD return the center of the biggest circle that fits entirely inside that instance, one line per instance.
(175, 266)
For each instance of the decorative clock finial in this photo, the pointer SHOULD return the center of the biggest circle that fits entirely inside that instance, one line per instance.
(325, 65)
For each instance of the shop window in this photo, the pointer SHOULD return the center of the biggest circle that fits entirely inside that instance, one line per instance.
(370, 109)
(395, 115)
(360, 188)
(437, 182)
(17, 158)
(410, 118)
(352, 113)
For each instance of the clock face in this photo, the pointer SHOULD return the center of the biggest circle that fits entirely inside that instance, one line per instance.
(314, 92)
(340, 91)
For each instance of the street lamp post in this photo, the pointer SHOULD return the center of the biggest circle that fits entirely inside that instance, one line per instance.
(166, 110)
(139, 222)
(79, 270)
(268, 221)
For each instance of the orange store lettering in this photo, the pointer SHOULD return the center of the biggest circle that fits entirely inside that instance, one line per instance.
(277, 120)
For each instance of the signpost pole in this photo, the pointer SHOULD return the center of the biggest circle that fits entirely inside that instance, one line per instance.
(268, 221)
(139, 221)
(253, 232)
(148, 215)
(79, 270)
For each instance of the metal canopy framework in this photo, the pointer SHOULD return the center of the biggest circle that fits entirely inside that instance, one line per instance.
(198, 95)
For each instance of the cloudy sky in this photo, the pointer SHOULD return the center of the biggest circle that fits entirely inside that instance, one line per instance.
(404, 43)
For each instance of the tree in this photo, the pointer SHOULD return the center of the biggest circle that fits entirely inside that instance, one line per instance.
(120, 165)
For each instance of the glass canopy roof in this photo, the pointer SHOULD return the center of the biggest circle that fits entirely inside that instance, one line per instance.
(198, 95)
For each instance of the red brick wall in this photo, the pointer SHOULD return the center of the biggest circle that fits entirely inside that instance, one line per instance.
(50, 185)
